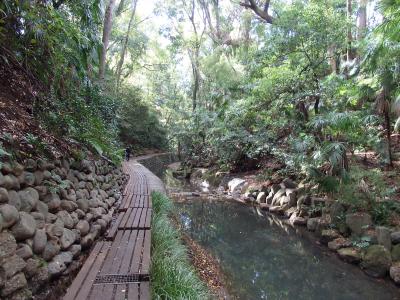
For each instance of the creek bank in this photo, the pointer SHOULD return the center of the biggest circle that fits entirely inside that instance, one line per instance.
(50, 212)
(351, 235)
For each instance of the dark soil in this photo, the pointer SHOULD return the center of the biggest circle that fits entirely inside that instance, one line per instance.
(20, 92)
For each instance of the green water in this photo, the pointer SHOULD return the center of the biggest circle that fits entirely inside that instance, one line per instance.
(264, 259)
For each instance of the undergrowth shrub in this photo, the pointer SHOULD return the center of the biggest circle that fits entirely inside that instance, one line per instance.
(172, 276)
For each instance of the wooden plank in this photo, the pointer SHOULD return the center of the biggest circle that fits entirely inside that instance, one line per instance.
(113, 261)
(121, 291)
(130, 223)
(113, 231)
(145, 268)
(137, 254)
(143, 216)
(114, 247)
(148, 218)
(136, 221)
(91, 276)
(144, 291)
(133, 292)
(80, 278)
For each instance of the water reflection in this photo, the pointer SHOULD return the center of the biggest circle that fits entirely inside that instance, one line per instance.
(264, 259)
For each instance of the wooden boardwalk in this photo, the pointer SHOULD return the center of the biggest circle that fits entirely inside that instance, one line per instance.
(119, 267)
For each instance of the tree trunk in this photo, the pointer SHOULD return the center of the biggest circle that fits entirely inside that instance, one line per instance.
(332, 59)
(388, 136)
(196, 83)
(362, 19)
(106, 37)
(123, 50)
(349, 34)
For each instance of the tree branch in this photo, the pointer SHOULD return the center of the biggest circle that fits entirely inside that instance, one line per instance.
(262, 13)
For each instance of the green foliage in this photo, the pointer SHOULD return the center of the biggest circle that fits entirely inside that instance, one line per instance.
(172, 276)
(138, 123)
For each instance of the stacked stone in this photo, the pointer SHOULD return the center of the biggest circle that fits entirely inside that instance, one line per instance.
(49, 212)
(376, 249)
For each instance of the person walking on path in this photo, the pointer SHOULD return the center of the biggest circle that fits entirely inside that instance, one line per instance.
(127, 153)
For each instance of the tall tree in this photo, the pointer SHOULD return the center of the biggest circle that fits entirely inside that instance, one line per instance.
(362, 19)
(106, 37)
(125, 44)
(349, 10)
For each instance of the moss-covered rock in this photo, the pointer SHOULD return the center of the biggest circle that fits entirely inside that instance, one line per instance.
(396, 253)
(376, 261)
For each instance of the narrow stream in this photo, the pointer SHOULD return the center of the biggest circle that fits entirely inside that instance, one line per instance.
(264, 259)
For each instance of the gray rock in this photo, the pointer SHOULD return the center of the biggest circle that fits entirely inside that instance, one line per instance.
(25, 228)
(8, 245)
(51, 249)
(278, 195)
(4, 195)
(12, 265)
(24, 251)
(103, 194)
(39, 218)
(32, 267)
(289, 184)
(395, 272)
(358, 222)
(42, 190)
(14, 199)
(75, 250)
(39, 177)
(336, 211)
(83, 227)
(237, 185)
(351, 255)
(383, 236)
(328, 235)
(55, 230)
(47, 175)
(339, 243)
(88, 240)
(10, 215)
(303, 200)
(376, 261)
(69, 206)
(59, 263)
(261, 197)
(42, 208)
(396, 253)
(312, 224)
(31, 165)
(103, 224)
(17, 169)
(39, 241)
(93, 203)
(29, 199)
(67, 239)
(53, 202)
(295, 220)
(10, 182)
(66, 218)
(27, 179)
(83, 204)
(13, 284)
(75, 217)
(89, 217)
(395, 237)
(80, 213)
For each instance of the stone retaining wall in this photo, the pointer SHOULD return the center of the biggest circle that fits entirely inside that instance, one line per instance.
(49, 213)
(158, 162)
